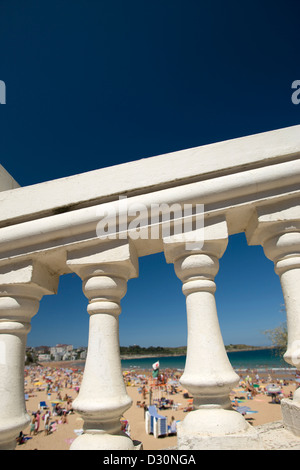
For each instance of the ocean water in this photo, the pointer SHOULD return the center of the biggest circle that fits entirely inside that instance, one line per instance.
(240, 360)
(256, 359)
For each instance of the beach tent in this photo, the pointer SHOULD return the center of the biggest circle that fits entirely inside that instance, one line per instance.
(155, 423)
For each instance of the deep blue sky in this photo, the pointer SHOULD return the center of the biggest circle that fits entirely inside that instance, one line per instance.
(92, 84)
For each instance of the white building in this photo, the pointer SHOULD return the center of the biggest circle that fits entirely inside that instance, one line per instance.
(61, 350)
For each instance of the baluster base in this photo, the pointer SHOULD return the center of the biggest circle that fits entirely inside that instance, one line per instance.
(105, 441)
(216, 429)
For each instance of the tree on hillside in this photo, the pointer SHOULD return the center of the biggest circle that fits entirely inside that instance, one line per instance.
(279, 335)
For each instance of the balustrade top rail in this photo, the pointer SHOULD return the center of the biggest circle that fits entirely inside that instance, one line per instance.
(229, 178)
(149, 175)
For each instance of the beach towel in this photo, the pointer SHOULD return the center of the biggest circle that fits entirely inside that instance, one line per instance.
(245, 410)
(69, 441)
(78, 431)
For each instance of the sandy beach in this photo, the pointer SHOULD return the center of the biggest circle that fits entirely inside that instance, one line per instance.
(58, 385)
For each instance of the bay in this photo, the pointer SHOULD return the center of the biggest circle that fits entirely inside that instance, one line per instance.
(253, 359)
(240, 360)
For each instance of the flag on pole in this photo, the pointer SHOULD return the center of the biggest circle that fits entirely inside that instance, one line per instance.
(155, 368)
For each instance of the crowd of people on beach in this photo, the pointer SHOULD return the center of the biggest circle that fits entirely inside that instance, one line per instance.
(54, 383)
(265, 385)
(54, 410)
(59, 386)
(163, 390)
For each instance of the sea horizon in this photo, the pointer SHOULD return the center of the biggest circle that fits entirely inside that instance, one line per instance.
(262, 359)
(257, 359)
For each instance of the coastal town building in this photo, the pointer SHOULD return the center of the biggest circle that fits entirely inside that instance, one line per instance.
(190, 201)
(44, 357)
(60, 352)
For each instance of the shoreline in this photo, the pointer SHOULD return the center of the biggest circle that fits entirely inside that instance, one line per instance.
(66, 365)
(155, 356)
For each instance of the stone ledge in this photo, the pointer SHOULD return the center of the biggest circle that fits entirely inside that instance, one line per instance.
(275, 437)
(290, 410)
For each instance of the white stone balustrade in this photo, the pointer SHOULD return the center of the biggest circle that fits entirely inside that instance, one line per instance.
(250, 184)
(277, 229)
(22, 286)
(208, 374)
(104, 270)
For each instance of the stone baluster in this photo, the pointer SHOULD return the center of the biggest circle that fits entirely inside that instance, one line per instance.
(22, 285)
(278, 231)
(284, 250)
(208, 374)
(102, 400)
